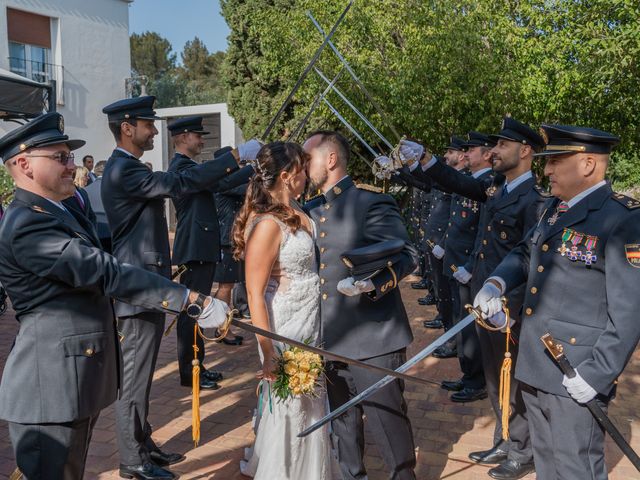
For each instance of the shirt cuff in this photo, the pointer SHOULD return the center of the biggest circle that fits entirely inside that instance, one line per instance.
(500, 281)
(413, 166)
(430, 163)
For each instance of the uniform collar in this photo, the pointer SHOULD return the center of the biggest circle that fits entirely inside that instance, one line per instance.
(585, 193)
(338, 188)
(518, 180)
(481, 172)
(129, 154)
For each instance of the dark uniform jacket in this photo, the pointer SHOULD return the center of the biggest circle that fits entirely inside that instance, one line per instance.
(64, 365)
(462, 230)
(592, 310)
(438, 218)
(229, 203)
(504, 220)
(371, 324)
(197, 230)
(133, 198)
(102, 224)
(86, 209)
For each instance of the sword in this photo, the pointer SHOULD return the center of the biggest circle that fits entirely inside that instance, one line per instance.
(424, 353)
(557, 352)
(325, 353)
(351, 129)
(306, 71)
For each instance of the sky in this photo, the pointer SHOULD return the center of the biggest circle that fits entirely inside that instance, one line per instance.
(180, 21)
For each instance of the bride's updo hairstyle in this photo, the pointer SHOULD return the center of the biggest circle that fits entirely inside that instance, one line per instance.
(273, 159)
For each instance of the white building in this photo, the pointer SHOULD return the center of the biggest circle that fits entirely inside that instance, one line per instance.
(81, 44)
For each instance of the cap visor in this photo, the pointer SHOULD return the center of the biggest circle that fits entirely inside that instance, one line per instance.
(72, 144)
(497, 137)
(149, 117)
(551, 153)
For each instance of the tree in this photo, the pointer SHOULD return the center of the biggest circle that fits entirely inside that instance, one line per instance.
(444, 66)
(151, 55)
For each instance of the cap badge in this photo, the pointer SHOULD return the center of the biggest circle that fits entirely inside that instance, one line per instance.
(61, 124)
(544, 136)
(23, 147)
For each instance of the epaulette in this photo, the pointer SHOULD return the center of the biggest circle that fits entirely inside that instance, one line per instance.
(542, 192)
(628, 202)
(38, 209)
(312, 198)
(368, 188)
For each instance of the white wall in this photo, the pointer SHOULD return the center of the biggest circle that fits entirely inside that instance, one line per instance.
(90, 38)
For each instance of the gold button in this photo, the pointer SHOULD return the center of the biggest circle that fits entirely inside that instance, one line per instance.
(322, 280)
(89, 352)
(453, 213)
(327, 206)
(165, 303)
(484, 242)
(528, 311)
(322, 234)
(489, 228)
(323, 219)
(540, 268)
(534, 290)
(324, 296)
(322, 249)
(545, 247)
(481, 255)
(205, 229)
(503, 235)
(572, 340)
(322, 265)
(501, 222)
(228, 170)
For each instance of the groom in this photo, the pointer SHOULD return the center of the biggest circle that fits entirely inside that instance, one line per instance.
(365, 320)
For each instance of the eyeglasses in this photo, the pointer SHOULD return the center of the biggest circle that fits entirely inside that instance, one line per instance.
(63, 158)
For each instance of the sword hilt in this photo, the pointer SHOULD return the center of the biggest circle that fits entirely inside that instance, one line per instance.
(480, 317)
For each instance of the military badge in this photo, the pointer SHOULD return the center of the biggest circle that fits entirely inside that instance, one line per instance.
(572, 240)
(61, 124)
(544, 136)
(491, 191)
(632, 251)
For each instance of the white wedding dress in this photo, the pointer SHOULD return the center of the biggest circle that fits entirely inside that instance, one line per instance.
(293, 303)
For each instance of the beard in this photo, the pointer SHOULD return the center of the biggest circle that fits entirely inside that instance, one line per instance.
(502, 164)
(316, 183)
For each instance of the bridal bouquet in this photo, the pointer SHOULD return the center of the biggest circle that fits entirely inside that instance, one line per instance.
(298, 373)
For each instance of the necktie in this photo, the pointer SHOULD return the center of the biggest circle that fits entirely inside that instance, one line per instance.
(505, 192)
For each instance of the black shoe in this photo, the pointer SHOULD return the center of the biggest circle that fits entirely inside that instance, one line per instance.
(428, 300)
(469, 395)
(211, 375)
(205, 384)
(163, 459)
(493, 455)
(511, 470)
(237, 339)
(452, 385)
(445, 351)
(421, 285)
(146, 471)
(435, 323)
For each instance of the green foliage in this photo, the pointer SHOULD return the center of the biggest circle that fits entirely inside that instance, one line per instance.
(196, 81)
(6, 186)
(443, 67)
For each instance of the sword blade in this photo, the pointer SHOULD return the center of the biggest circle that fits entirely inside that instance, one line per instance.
(327, 354)
(351, 129)
(306, 71)
(424, 353)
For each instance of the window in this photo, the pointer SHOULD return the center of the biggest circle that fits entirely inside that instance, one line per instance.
(29, 45)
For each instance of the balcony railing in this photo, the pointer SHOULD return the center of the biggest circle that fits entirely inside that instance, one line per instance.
(36, 71)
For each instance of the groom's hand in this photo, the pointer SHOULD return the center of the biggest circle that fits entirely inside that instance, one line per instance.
(351, 288)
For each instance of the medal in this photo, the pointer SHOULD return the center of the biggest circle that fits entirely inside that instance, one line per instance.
(567, 234)
(589, 257)
(491, 191)
(474, 209)
(575, 254)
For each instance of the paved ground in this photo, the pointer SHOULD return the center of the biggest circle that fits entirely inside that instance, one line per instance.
(445, 432)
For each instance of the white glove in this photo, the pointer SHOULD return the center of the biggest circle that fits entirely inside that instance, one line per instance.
(384, 167)
(349, 287)
(213, 314)
(462, 276)
(438, 252)
(578, 388)
(410, 151)
(249, 151)
(488, 300)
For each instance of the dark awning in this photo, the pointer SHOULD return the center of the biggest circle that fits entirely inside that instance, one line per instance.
(23, 98)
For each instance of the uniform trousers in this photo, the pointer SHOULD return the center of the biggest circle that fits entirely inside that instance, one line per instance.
(468, 345)
(140, 345)
(568, 442)
(386, 413)
(492, 346)
(442, 292)
(52, 451)
(198, 277)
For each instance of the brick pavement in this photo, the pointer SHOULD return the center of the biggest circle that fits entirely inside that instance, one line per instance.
(445, 432)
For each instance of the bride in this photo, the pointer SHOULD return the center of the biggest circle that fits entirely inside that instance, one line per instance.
(276, 239)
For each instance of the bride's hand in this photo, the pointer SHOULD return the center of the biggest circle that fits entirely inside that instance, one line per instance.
(268, 371)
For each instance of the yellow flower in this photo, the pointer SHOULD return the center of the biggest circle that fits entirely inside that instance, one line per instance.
(304, 366)
(294, 381)
(297, 391)
(290, 368)
(302, 377)
(288, 355)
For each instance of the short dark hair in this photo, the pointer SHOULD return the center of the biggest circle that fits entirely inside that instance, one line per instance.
(337, 139)
(115, 127)
(84, 159)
